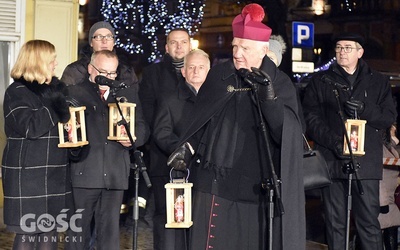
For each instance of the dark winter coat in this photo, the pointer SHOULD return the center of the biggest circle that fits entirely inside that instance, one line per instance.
(324, 125)
(35, 171)
(173, 113)
(103, 163)
(241, 148)
(158, 80)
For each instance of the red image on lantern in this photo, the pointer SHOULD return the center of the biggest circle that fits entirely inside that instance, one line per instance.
(179, 206)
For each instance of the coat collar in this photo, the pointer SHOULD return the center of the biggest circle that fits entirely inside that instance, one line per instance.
(184, 92)
(40, 89)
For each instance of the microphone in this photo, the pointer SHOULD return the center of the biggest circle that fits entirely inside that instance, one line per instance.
(327, 79)
(252, 77)
(102, 80)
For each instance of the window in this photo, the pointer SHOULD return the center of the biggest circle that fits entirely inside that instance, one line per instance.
(12, 20)
(4, 65)
(12, 28)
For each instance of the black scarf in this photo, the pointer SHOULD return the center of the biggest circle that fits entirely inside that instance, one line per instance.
(222, 134)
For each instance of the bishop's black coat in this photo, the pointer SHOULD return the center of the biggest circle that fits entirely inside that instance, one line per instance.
(229, 165)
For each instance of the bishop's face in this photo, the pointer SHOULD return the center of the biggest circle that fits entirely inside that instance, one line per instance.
(248, 53)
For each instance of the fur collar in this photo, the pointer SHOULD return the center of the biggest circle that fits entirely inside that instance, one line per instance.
(39, 89)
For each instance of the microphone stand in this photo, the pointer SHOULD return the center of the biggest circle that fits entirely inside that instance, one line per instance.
(350, 169)
(271, 184)
(138, 167)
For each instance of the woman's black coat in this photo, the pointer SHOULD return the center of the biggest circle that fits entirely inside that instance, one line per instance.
(35, 171)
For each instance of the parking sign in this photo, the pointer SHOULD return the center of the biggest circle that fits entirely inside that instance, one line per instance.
(303, 34)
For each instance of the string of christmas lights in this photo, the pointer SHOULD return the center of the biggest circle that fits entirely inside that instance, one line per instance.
(348, 6)
(138, 23)
(300, 77)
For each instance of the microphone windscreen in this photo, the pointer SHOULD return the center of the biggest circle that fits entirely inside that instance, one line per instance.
(102, 80)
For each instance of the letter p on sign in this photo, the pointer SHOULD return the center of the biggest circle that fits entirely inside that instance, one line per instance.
(303, 34)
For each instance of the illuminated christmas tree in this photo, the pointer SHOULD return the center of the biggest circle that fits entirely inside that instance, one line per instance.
(139, 23)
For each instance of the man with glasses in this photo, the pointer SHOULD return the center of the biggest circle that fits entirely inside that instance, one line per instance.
(362, 93)
(111, 75)
(101, 37)
(100, 170)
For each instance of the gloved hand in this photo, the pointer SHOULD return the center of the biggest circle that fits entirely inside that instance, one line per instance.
(52, 95)
(60, 105)
(354, 108)
(266, 89)
(338, 151)
(180, 158)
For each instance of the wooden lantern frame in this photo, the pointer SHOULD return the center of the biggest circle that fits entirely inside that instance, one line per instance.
(173, 190)
(118, 132)
(76, 126)
(355, 130)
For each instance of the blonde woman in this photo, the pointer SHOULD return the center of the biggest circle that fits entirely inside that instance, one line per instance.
(35, 171)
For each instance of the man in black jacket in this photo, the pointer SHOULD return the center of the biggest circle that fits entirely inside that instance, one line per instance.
(173, 112)
(159, 80)
(230, 160)
(351, 86)
(100, 170)
(102, 37)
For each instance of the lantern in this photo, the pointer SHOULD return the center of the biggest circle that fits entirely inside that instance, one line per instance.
(117, 131)
(75, 129)
(355, 130)
(179, 203)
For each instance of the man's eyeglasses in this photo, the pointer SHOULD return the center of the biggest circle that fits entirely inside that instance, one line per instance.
(346, 49)
(105, 73)
(100, 37)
